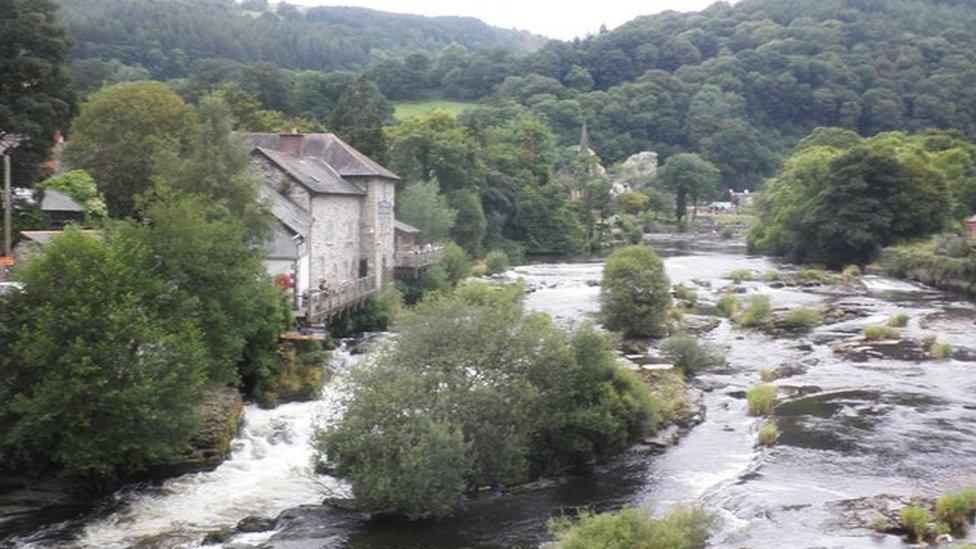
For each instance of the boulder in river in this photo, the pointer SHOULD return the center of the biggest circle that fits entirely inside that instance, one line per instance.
(881, 513)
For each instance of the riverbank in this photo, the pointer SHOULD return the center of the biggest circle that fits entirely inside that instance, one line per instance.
(947, 262)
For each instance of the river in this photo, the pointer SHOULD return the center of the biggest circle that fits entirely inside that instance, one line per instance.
(872, 426)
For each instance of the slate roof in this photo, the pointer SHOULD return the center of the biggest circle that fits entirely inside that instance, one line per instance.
(43, 237)
(54, 201)
(312, 172)
(286, 211)
(404, 228)
(341, 157)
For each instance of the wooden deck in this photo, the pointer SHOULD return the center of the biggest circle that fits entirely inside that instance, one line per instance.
(320, 306)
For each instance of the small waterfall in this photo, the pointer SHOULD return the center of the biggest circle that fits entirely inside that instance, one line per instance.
(269, 470)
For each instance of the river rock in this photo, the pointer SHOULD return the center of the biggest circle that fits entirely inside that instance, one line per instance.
(27, 502)
(221, 408)
(697, 324)
(780, 372)
(861, 349)
(881, 513)
(255, 524)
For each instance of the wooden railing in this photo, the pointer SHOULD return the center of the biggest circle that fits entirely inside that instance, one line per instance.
(419, 257)
(319, 305)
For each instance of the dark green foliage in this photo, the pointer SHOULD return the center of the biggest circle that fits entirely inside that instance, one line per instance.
(469, 229)
(689, 354)
(691, 179)
(98, 382)
(495, 396)
(423, 206)
(358, 118)
(167, 36)
(840, 206)
(635, 293)
(35, 98)
(456, 263)
(120, 133)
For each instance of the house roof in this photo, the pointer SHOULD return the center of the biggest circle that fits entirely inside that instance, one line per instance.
(342, 157)
(312, 172)
(286, 211)
(43, 237)
(973, 218)
(404, 228)
(54, 201)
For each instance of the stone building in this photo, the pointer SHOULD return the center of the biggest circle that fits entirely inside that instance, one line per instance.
(334, 241)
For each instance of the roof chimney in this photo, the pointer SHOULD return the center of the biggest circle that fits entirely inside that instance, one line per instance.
(291, 143)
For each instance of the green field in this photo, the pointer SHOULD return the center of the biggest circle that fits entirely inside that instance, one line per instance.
(409, 109)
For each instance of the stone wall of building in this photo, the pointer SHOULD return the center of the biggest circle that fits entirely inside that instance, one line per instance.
(378, 242)
(335, 239)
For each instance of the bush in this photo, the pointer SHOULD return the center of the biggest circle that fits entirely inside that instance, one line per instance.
(770, 275)
(899, 320)
(299, 377)
(728, 305)
(496, 262)
(851, 272)
(635, 292)
(455, 262)
(940, 351)
(813, 274)
(877, 332)
(803, 318)
(760, 399)
(689, 354)
(679, 528)
(918, 522)
(740, 275)
(956, 509)
(687, 294)
(434, 280)
(495, 395)
(479, 269)
(768, 433)
(757, 313)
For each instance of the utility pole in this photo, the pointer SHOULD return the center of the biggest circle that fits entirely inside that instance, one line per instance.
(8, 142)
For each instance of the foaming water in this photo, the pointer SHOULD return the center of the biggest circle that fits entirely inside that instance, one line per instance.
(848, 429)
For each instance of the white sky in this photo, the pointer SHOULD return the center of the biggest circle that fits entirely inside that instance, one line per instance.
(563, 19)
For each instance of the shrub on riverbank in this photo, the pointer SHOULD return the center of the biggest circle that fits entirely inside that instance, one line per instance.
(944, 261)
(690, 355)
(768, 433)
(679, 528)
(496, 262)
(877, 332)
(739, 276)
(761, 398)
(474, 391)
(757, 313)
(802, 317)
(899, 320)
(956, 509)
(635, 292)
(917, 521)
(940, 351)
(728, 305)
(299, 377)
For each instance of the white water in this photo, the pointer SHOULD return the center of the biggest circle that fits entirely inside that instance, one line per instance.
(269, 471)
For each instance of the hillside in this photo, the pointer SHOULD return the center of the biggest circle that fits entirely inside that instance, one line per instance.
(167, 36)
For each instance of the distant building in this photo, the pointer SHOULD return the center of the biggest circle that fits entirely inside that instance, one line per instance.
(333, 244)
(59, 208)
(971, 227)
(413, 255)
(31, 241)
(742, 199)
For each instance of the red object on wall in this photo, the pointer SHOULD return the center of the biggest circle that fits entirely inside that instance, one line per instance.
(283, 281)
(971, 228)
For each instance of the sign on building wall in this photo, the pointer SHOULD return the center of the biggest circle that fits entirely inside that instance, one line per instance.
(385, 207)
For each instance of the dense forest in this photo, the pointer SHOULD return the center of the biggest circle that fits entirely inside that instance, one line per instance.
(738, 84)
(166, 36)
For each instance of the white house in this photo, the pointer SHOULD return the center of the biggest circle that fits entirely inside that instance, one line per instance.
(334, 241)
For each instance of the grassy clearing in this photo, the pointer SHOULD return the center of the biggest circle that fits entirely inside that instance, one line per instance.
(402, 110)
(761, 399)
(734, 218)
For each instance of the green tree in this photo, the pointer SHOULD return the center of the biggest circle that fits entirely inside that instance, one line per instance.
(358, 118)
(635, 293)
(423, 206)
(118, 136)
(469, 229)
(474, 391)
(691, 178)
(35, 97)
(96, 382)
(435, 146)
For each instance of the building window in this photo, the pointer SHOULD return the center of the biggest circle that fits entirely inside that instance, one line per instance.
(363, 268)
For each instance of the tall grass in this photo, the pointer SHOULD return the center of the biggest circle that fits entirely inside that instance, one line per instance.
(761, 398)
(757, 313)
